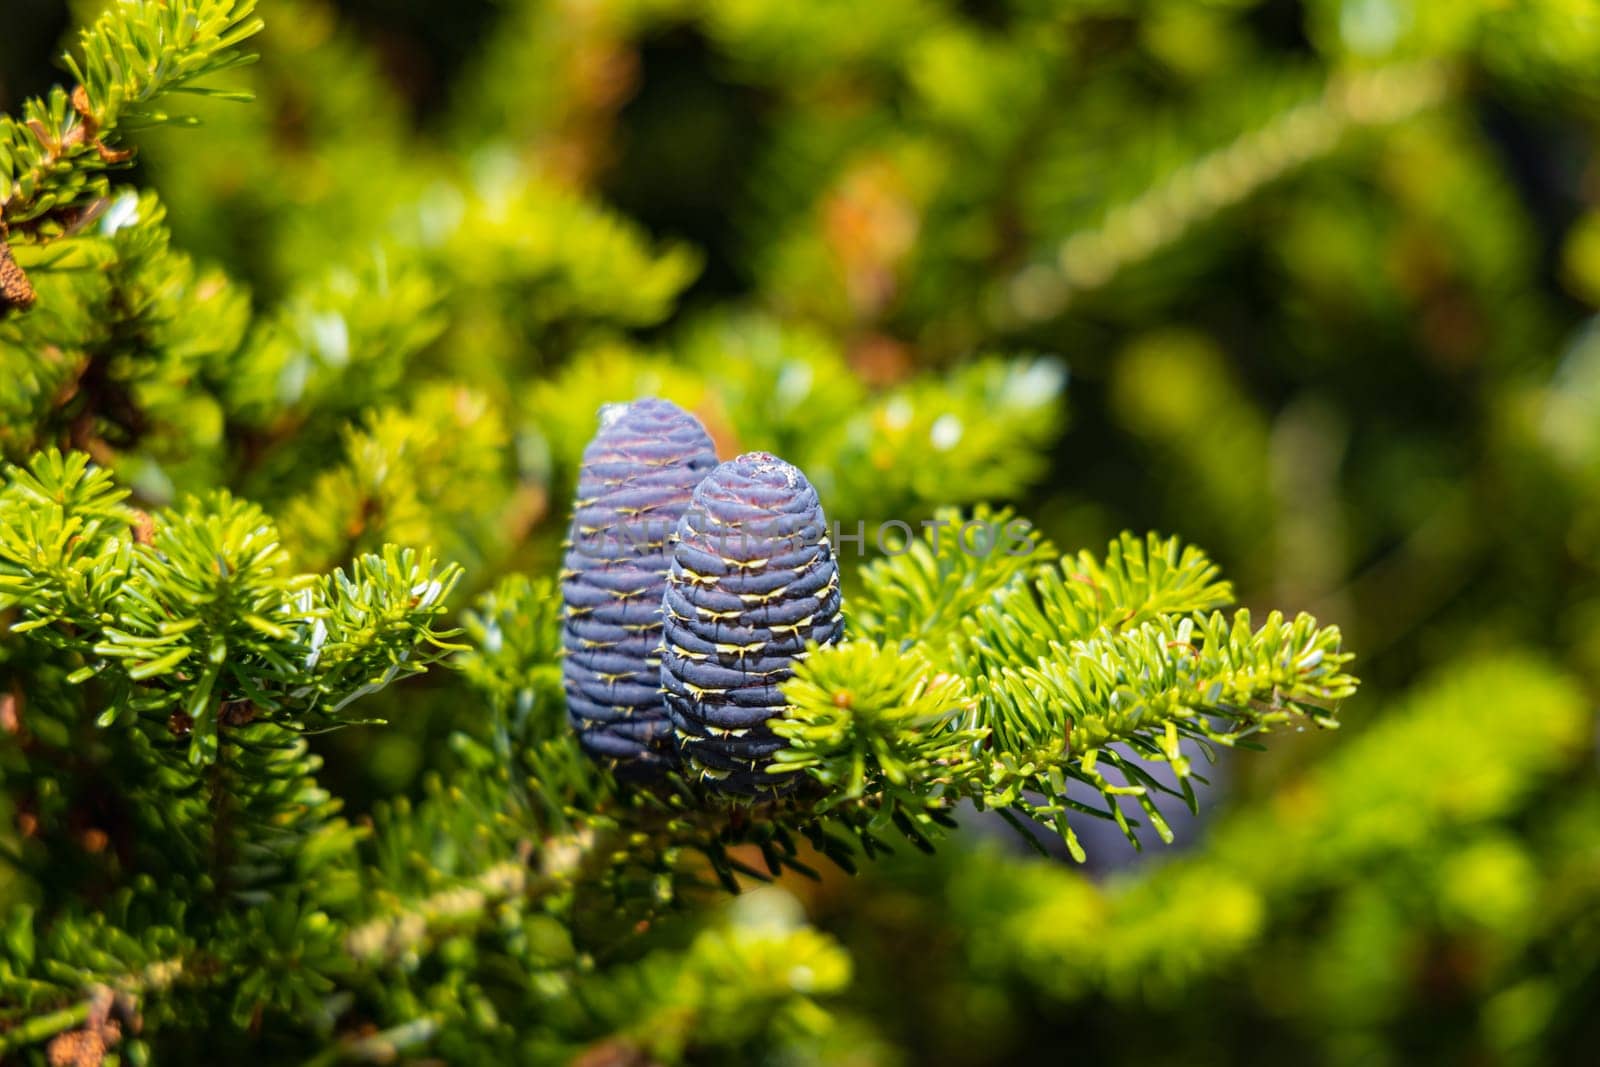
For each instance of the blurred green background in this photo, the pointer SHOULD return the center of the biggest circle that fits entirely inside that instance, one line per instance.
(1324, 275)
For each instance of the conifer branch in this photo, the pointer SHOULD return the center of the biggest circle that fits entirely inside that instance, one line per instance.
(995, 681)
(115, 991)
(1133, 232)
(1369, 810)
(180, 653)
(385, 1046)
(52, 160)
(410, 928)
(37, 1028)
(976, 432)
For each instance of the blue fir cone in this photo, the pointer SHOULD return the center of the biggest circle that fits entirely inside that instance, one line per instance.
(636, 480)
(752, 580)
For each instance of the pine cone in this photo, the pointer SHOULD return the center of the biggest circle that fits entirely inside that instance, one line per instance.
(636, 479)
(753, 579)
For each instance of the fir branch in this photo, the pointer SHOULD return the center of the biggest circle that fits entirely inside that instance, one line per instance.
(76, 969)
(1138, 582)
(120, 992)
(919, 596)
(1051, 672)
(1137, 230)
(893, 748)
(1166, 677)
(64, 549)
(1464, 750)
(52, 160)
(127, 328)
(433, 474)
(754, 972)
(410, 928)
(514, 661)
(976, 432)
(217, 656)
(385, 1046)
(37, 1028)
(883, 732)
(339, 343)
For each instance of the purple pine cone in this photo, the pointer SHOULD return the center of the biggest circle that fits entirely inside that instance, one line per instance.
(753, 579)
(635, 482)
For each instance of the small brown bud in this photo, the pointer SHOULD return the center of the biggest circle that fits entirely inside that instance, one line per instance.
(11, 712)
(42, 134)
(80, 104)
(144, 528)
(238, 712)
(16, 292)
(76, 1048)
(613, 1052)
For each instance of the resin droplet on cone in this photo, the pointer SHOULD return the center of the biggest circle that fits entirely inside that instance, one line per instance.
(753, 579)
(637, 477)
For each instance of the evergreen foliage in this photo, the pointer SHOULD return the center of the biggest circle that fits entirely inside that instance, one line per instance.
(293, 406)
